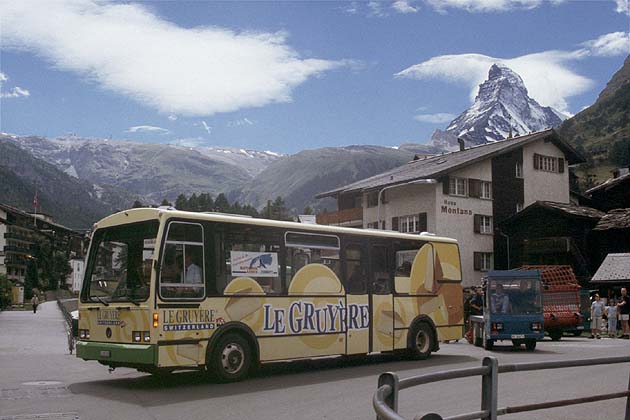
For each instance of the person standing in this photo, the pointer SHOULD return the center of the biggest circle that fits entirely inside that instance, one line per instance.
(193, 271)
(35, 303)
(624, 312)
(611, 313)
(597, 310)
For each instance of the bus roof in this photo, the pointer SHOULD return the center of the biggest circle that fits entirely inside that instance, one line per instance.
(142, 214)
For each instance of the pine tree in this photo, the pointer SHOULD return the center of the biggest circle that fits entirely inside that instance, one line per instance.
(307, 210)
(193, 203)
(137, 204)
(181, 202)
(165, 202)
(221, 204)
(32, 279)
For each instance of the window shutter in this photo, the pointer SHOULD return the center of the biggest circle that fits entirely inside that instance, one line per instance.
(446, 185)
(422, 222)
(477, 261)
(474, 187)
(536, 161)
(560, 165)
(477, 222)
(395, 223)
(382, 225)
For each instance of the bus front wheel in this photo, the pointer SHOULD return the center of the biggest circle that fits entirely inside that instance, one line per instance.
(422, 341)
(231, 358)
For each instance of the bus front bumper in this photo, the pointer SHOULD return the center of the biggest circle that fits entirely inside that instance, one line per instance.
(118, 354)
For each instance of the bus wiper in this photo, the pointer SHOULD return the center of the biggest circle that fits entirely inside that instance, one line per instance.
(99, 299)
(133, 301)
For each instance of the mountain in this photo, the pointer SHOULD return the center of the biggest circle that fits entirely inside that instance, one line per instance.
(602, 131)
(298, 178)
(151, 171)
(502, 106)
(71, 202)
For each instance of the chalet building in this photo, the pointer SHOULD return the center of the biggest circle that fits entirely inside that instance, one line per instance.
(550, 233)
(614, 193)
(463, 194)
(21, 233)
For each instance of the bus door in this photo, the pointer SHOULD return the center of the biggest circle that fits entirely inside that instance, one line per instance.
(357, 300)
(382, 315)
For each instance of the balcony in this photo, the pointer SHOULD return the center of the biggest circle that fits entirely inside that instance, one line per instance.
(346, 217)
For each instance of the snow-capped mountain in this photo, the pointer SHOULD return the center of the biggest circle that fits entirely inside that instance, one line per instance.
(151, 171)
(502, 106)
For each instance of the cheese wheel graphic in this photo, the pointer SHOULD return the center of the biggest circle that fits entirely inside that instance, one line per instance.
(422, 271)
(315, 279)
(385, 320)
(246, 301)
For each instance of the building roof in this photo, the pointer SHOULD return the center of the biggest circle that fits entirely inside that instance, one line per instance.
(566, 209)
(614, 219)
(440, 165)
(40, 222)
(610, 183)
(615, 268)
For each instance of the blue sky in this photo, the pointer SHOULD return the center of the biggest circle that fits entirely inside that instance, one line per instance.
(287, 76)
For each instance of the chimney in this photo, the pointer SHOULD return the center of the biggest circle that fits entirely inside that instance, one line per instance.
(461, 144)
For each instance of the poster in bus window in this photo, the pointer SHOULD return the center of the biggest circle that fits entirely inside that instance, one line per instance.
(254, 264)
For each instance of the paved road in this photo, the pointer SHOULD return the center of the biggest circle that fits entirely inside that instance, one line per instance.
(40, 380)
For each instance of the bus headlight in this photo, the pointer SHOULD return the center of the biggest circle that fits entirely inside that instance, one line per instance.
(146, 336)
(84, 334)
(136, 336)
(536, 326)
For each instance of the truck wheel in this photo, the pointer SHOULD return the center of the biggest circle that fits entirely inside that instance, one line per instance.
(231, 359)
(488, 344)
(555, 335)
(422, 341)
(530, 345)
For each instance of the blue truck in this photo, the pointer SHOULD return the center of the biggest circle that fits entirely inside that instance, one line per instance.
(512, 309)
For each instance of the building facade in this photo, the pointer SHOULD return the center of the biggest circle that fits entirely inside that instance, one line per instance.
(463, 194)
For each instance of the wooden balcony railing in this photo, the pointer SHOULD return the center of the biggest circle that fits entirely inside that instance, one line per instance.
(341, 216)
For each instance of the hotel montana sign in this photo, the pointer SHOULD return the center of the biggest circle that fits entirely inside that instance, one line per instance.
(450, 207)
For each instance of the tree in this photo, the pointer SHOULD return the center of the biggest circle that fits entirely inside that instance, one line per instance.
(181, 203)
(276, 210)
(221, 204)
(205, 202)
(32, 279)
(193, 203)
(165, 202)
(137, 204)
(307, 210)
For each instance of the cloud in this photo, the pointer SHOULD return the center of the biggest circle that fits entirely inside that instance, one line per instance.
(404, 6)
(15, 92)
(623, 6)
(190, 142)
(127, 49)
(548, 75)
(241, 122)
(438, 118)
(206, 127)
(484, 6)
(609, 45)
(376, 9)
(147, 129)
(172, 117)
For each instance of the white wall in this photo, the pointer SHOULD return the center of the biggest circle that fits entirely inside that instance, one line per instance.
(404, 201)
(461, 226)
(540, 185)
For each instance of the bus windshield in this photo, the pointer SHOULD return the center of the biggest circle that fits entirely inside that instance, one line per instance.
(120, 262)
(515, 296)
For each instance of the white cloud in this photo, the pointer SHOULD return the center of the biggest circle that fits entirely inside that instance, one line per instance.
(623, 6)
(15, 92)
(147, 129)
(376, 9)
(172, 117)
(190, 142)
(548, 75)
(127, 49)
(241, 122)
(206, 127)
(612, 44)
(404, 6)
(438, 118)
(484, 6)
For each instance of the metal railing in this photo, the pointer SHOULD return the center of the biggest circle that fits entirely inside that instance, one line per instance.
(385, 400)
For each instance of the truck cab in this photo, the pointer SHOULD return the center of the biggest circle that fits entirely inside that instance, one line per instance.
(512, 310)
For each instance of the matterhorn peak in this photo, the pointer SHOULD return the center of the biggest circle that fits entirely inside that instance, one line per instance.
(502, 106)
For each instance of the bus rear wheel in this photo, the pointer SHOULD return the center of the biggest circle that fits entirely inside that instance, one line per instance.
(231, 359)
(422, 341)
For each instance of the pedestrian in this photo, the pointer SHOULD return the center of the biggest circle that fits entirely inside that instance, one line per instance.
(624, 312)
(597, 310)
(475, 307)
(35, 302)
(611, 313)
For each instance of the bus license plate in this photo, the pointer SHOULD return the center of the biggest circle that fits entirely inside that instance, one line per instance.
(518, 336)
(105, 353)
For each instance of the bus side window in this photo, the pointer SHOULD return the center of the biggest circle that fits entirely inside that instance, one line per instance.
(355, 277)
(381, 277)
(182, 275)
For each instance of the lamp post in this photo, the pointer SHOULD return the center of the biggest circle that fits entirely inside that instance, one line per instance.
(414, 182)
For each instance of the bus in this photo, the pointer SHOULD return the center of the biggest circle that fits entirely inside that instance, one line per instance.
(169, 290)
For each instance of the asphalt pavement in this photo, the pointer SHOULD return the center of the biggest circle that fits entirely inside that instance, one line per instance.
(40, 380)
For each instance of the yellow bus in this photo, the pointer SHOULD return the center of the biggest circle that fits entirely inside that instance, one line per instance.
(167, 290)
